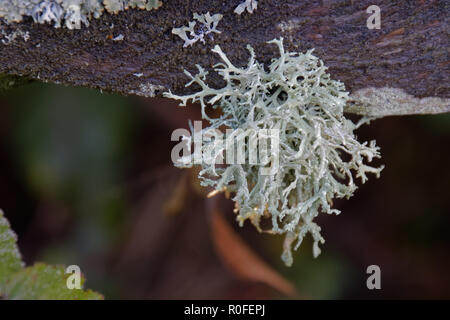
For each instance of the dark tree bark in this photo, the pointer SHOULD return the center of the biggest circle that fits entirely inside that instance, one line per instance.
(409, 52)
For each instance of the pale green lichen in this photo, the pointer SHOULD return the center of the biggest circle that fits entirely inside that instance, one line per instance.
(249, 5)
(147, 89)
(386, 101)
(8, 38)
(318, 156)
(207, 26)
(73, 13)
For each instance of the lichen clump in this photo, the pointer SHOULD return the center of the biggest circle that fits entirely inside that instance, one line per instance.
(194, 32)
(318, 156)
(73, 13)
(8, 38)
(249, 5)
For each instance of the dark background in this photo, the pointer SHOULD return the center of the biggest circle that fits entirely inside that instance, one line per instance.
(86, 178)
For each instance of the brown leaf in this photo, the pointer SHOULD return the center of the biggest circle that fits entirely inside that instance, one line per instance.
(177, 198)
(240, 258)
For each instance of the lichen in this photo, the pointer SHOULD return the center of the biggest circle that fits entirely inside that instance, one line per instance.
(146, 89)
(249, 5)
(319, 155)
(73, 13)
(386, 101)
(120, 37)
(207, 26)
(8, 38)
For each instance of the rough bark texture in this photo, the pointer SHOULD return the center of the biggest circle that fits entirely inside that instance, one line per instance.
(409, 52)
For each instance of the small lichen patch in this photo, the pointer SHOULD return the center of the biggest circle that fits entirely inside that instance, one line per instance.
(73, 13)
(120, 37)
(386, 101)
(249, 5)
(290, 25)
(147, 89)
(318, 157)
(190, 34)
(8, 38)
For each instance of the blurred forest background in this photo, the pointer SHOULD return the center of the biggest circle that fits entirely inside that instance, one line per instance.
(86, 178)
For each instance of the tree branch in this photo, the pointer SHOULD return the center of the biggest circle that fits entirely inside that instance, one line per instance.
(409, 52)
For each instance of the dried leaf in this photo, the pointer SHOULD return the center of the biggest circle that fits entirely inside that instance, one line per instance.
(176, 199)
(241, 260)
